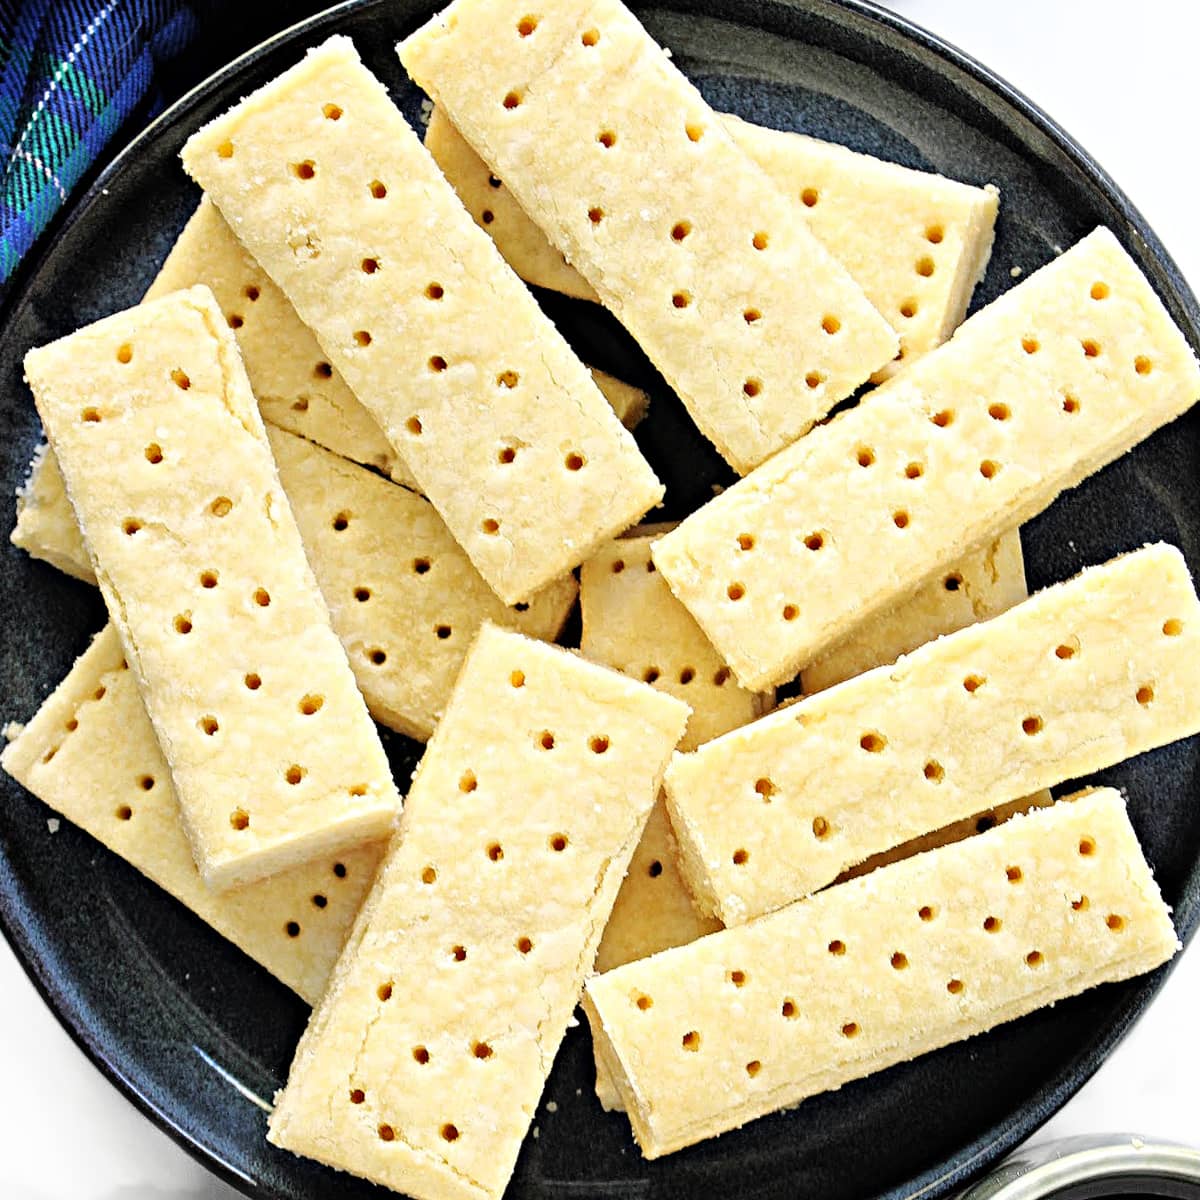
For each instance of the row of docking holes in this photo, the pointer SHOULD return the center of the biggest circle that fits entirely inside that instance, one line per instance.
(864, 456)
(574, 460)
(875, 742)
(306, 171)
(146, 782)
(899, 961)
(506, 455)
(607, 139)
(653, 674)
(478, 1049)
(308, 705)
(319, 901)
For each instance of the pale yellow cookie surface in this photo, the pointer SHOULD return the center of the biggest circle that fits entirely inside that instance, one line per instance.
(321, 177)
(1081, 676)
(916, 243)
(167, 465)
(90, 754)
(292, 379)
(871, 973)
(422, 1066)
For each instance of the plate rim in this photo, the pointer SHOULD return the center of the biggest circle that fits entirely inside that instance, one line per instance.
(972, 1159)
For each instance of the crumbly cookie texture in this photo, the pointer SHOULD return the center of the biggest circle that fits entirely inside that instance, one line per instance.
(637, 182)
(654, 908)
(706, 1037)
(274, 757)
(46, 527)
(1081, 676)
(503, 428)
(632, 623)
(977, 587)
(422, 1066)
(403, 597)
(90, 754)
(915, 242)
(1082, 362)
(296, 386)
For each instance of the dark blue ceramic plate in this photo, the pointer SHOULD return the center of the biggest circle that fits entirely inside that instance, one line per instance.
(187, 1027)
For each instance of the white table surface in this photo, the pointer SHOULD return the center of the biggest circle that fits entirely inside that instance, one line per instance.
(1122, 78)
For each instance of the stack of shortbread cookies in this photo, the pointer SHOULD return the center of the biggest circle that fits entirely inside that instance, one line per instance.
(339, 465)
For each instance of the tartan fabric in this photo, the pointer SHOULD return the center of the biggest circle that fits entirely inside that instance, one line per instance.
(71, 73)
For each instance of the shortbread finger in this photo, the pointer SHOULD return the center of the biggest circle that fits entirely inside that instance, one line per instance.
(422, 1067)
(90, 754)
(1077, 678)
(631, 175)
(915, 242)
(1034, 393)
(167, 465)
(875, 972)
(632, 623)
(323, 180)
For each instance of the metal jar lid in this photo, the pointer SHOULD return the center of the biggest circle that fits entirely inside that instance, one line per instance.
(1094, 1166)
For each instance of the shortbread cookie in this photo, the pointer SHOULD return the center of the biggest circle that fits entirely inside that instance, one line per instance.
(1080, 363)
(295, 385)
(422, 1066)
(941, 947)
(46, 527)
(915, 242)
(632, 623)
(90, 754)
(1075, 679)
(274, 757)
(631, 175)
(323, 180)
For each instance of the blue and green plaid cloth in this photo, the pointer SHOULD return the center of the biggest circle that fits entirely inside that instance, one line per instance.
(71, 73)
